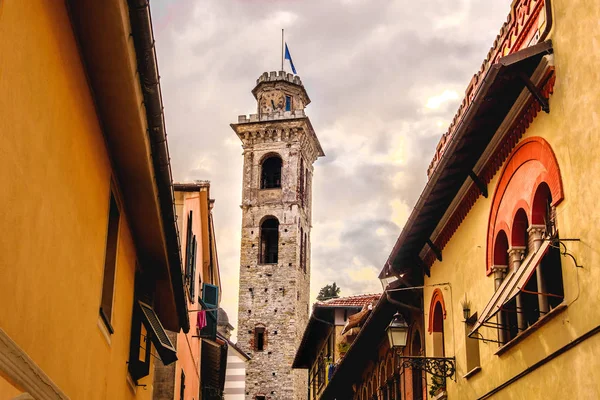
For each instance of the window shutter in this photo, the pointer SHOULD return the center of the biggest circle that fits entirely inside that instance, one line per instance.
(193, 276)
(159, 336)
(146, 327)
(210, 297)
(188, 245)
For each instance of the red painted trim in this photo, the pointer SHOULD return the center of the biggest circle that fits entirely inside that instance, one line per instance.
(436, 297)
(530, 163)
(518, 32)
(510, 140)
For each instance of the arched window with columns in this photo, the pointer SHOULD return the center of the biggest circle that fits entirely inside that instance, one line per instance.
(522, 222)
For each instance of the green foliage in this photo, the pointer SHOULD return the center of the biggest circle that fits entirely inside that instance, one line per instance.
(329, 292)
(437, 385)
(343, 347)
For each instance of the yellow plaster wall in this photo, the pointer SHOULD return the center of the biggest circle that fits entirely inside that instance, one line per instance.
(8, 390)
(56, 175)
(573, 130)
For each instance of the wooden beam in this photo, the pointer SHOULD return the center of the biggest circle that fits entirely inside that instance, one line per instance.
(480, 184)
(535, 92)
(435, 249)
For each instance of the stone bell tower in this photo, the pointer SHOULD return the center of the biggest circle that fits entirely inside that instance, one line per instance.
(280, 147)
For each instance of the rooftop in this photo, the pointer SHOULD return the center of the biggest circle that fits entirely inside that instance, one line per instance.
(350, 301)
(191, 186)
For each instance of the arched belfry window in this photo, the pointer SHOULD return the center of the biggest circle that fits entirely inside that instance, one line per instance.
(269, 241)
(270, 177)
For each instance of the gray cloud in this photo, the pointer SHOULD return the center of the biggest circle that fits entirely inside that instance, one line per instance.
(370, 68)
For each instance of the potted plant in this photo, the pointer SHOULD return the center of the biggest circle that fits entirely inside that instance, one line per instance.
(343, 348)
(437, 388)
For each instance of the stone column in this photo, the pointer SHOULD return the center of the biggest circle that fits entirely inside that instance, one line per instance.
(515, 257)
(536, 237)
(499, 274)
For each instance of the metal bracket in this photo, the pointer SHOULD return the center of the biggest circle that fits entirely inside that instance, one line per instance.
(423, 266)
(535, 92)
(435, 249)
(563, 250)
(479, 183)
(442, 367)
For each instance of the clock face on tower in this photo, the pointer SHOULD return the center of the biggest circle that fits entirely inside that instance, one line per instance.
(279, 101)
(272, 101)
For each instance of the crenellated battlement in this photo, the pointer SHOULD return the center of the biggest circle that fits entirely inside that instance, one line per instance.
(272, 116)
(283, 82)
(274, 76)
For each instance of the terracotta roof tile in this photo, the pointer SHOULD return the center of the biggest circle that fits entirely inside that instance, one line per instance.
(358, 301)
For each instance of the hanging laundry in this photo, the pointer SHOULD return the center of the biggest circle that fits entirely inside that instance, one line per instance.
(201, 322)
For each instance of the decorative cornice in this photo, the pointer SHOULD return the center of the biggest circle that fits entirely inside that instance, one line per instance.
(528, 23)
(493, 164)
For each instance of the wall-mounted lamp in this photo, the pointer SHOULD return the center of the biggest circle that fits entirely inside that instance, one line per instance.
(466, 307)
(397, 331)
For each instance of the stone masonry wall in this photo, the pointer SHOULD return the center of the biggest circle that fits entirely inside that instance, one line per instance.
(275, 296)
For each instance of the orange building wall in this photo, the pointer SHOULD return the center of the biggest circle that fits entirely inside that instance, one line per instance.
(56, 175)
(188, 347)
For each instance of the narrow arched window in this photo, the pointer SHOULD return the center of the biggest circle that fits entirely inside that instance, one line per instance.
(550, 270)
(260, 338)
(270, 177)
(438, 330)
(269, 241)
(519, 237)
(507, 317)
(501, 250)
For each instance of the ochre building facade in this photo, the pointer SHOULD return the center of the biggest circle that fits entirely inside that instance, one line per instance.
(89, 258)
(509, 261)
(183, 378)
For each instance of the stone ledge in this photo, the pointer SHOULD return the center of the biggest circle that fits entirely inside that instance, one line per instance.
(19, 368)
(543, 320)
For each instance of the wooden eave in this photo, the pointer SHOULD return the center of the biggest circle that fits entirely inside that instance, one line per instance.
(501, 87)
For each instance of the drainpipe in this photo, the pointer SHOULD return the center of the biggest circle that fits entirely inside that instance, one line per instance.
(143, 37)
(400, 304)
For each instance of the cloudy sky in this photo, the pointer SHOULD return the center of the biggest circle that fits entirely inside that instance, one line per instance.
(385, 78)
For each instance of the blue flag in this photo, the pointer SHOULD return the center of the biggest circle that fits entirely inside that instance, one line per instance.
(289, 57)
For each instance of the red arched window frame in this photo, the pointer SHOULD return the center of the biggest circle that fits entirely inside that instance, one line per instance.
(437, 297)
(530, 164)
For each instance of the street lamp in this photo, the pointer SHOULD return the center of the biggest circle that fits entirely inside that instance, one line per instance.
(397, 331)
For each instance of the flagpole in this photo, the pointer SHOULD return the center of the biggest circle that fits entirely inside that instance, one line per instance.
(282, 44)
